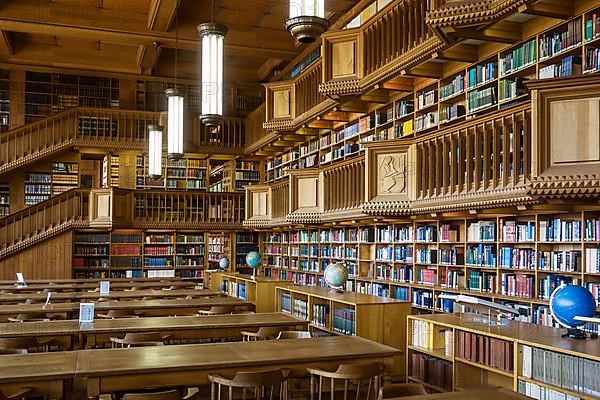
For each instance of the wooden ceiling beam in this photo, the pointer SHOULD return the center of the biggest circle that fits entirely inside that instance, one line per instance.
(7, 43)
(267, 68)
(354, 106)
(321, 124)
(562, 10)
(147, 57)
(340, 116)
(137, 38)
(425, 70)
(400, 84)
(308, 132)
(86, 58)
(282, 143)
(461, 53)
(378, 96)
(161, 14)
(502, 32)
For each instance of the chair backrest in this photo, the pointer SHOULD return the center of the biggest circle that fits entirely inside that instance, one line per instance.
(30, 317)
(120, 314)
(12, 351)
(294, 335)
(400, 390)
(11, 345)
(139, 339)
(260, 385)
(166, 395)
(217, 310)
(359, 381)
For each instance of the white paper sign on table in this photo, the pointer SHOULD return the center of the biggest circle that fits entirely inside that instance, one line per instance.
(20, 279)
(104, 287)
(48, 299)
(86, 312)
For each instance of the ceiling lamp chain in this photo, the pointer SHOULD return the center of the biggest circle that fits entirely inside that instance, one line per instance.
(175, 97)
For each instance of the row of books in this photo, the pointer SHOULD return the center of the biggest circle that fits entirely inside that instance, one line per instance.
(426, 121)
(592, 59)
(101, 250)
(426, 256)
(159, 251)
(433, 371)
(495, 353)
(541, 392)
(375, 289)
(478, 99)
(398, 274)
(451, 278)
(511, 88)
(125, 249)
(79, 262)
(516, 231)
(404, 107)
(483, 255)
(247, 175)
(449, 113)
(478, 281)
(454, 256)
(566, 260)
(562, 370)
(592, 260)
(514, 258)
(427, 277)
(344, 321)
(481, 231)
(482, 73)
(301, 309)
(456, 86)
(158, 262)
(126, 238)
(547, 285)
(181, 261)
(557, 230)
(422, 298)
(384, 116)
(552, 43)
(320, 315)
(425, 99)
(517, 285)
(80, 237)
(568, 66)
(518, 58)
(126, 262)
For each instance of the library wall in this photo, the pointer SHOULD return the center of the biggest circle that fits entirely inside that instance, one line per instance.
(51, 259)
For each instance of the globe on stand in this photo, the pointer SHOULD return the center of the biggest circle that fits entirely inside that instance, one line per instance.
(253, 260)
(568, 302)
(224, 263)
(336, 275)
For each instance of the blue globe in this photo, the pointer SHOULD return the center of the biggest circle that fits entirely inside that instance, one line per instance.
(570, 301)
(224, 263)
(336, 275)
(253, 259)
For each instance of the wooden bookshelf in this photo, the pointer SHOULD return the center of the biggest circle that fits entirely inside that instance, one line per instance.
(514, 260)
(4, 199)
(136, 254)
(49, 93)
(568, 48)
(531, 359)
(379, 319)
(65, 176)
(110, 170)
(38, 187)
(4, 101)
(245, 242)
(259, 290)
(219, 245)
(185, 174)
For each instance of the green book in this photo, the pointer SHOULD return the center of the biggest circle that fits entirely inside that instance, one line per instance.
(589, 29)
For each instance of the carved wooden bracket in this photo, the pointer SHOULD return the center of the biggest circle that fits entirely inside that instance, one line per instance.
(305, 197)
(110, 207)
(258, 206)
(565, 137)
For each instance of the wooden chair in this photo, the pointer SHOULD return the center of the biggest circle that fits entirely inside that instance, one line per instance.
(139, 339)
(21, 394)
(113, 314)
(400, 390)
(29, 317)
(359, 381)
(12, 351)
(217, 310)
(263, 333)
(166, 395)
(294, 335)
(261, 385)
(17, 345)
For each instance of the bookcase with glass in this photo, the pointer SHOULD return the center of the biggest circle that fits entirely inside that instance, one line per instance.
(4, 199)
(182, 174)
(450, 352)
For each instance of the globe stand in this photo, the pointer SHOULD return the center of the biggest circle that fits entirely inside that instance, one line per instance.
(575, 333)
(339, 289)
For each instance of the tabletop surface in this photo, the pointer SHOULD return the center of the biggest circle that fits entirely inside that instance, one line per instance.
(120, 294)
(38, 366)
(13, 309)
(50, 328)
(66, 286)
(106, 362)
(487, 394)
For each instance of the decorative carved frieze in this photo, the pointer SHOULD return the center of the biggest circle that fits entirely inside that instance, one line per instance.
(471, 12)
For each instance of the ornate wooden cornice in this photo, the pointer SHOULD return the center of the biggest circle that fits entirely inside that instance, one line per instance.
(304, 217)
(572, 186)
(217, 226)
(279, 125)
(343, 215)
(471, 12)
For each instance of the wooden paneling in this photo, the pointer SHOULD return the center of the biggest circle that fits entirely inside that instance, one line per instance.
(50, 259)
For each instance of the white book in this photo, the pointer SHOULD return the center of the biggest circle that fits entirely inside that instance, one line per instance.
(527, 361)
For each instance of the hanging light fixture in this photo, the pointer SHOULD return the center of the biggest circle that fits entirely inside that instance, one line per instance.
(175, 97)
(155, 134)
(307, 20)
(212, 36)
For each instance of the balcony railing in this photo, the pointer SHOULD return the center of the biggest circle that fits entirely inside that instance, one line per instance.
(281, 200)
(344, 186)
(306, 89)
(188, 209)
(486, 154)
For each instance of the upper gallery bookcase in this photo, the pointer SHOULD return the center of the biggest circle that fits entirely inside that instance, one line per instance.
(570, 48)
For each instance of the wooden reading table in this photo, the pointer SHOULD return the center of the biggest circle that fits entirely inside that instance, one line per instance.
(111, 370)
(72, 334)
(15, 298)
(487, 394)
(143, 307)
(86, 286)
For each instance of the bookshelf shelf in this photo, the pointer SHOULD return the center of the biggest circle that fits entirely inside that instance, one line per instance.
(259, 291)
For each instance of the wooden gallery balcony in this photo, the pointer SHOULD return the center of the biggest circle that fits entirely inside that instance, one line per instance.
(546, 150)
